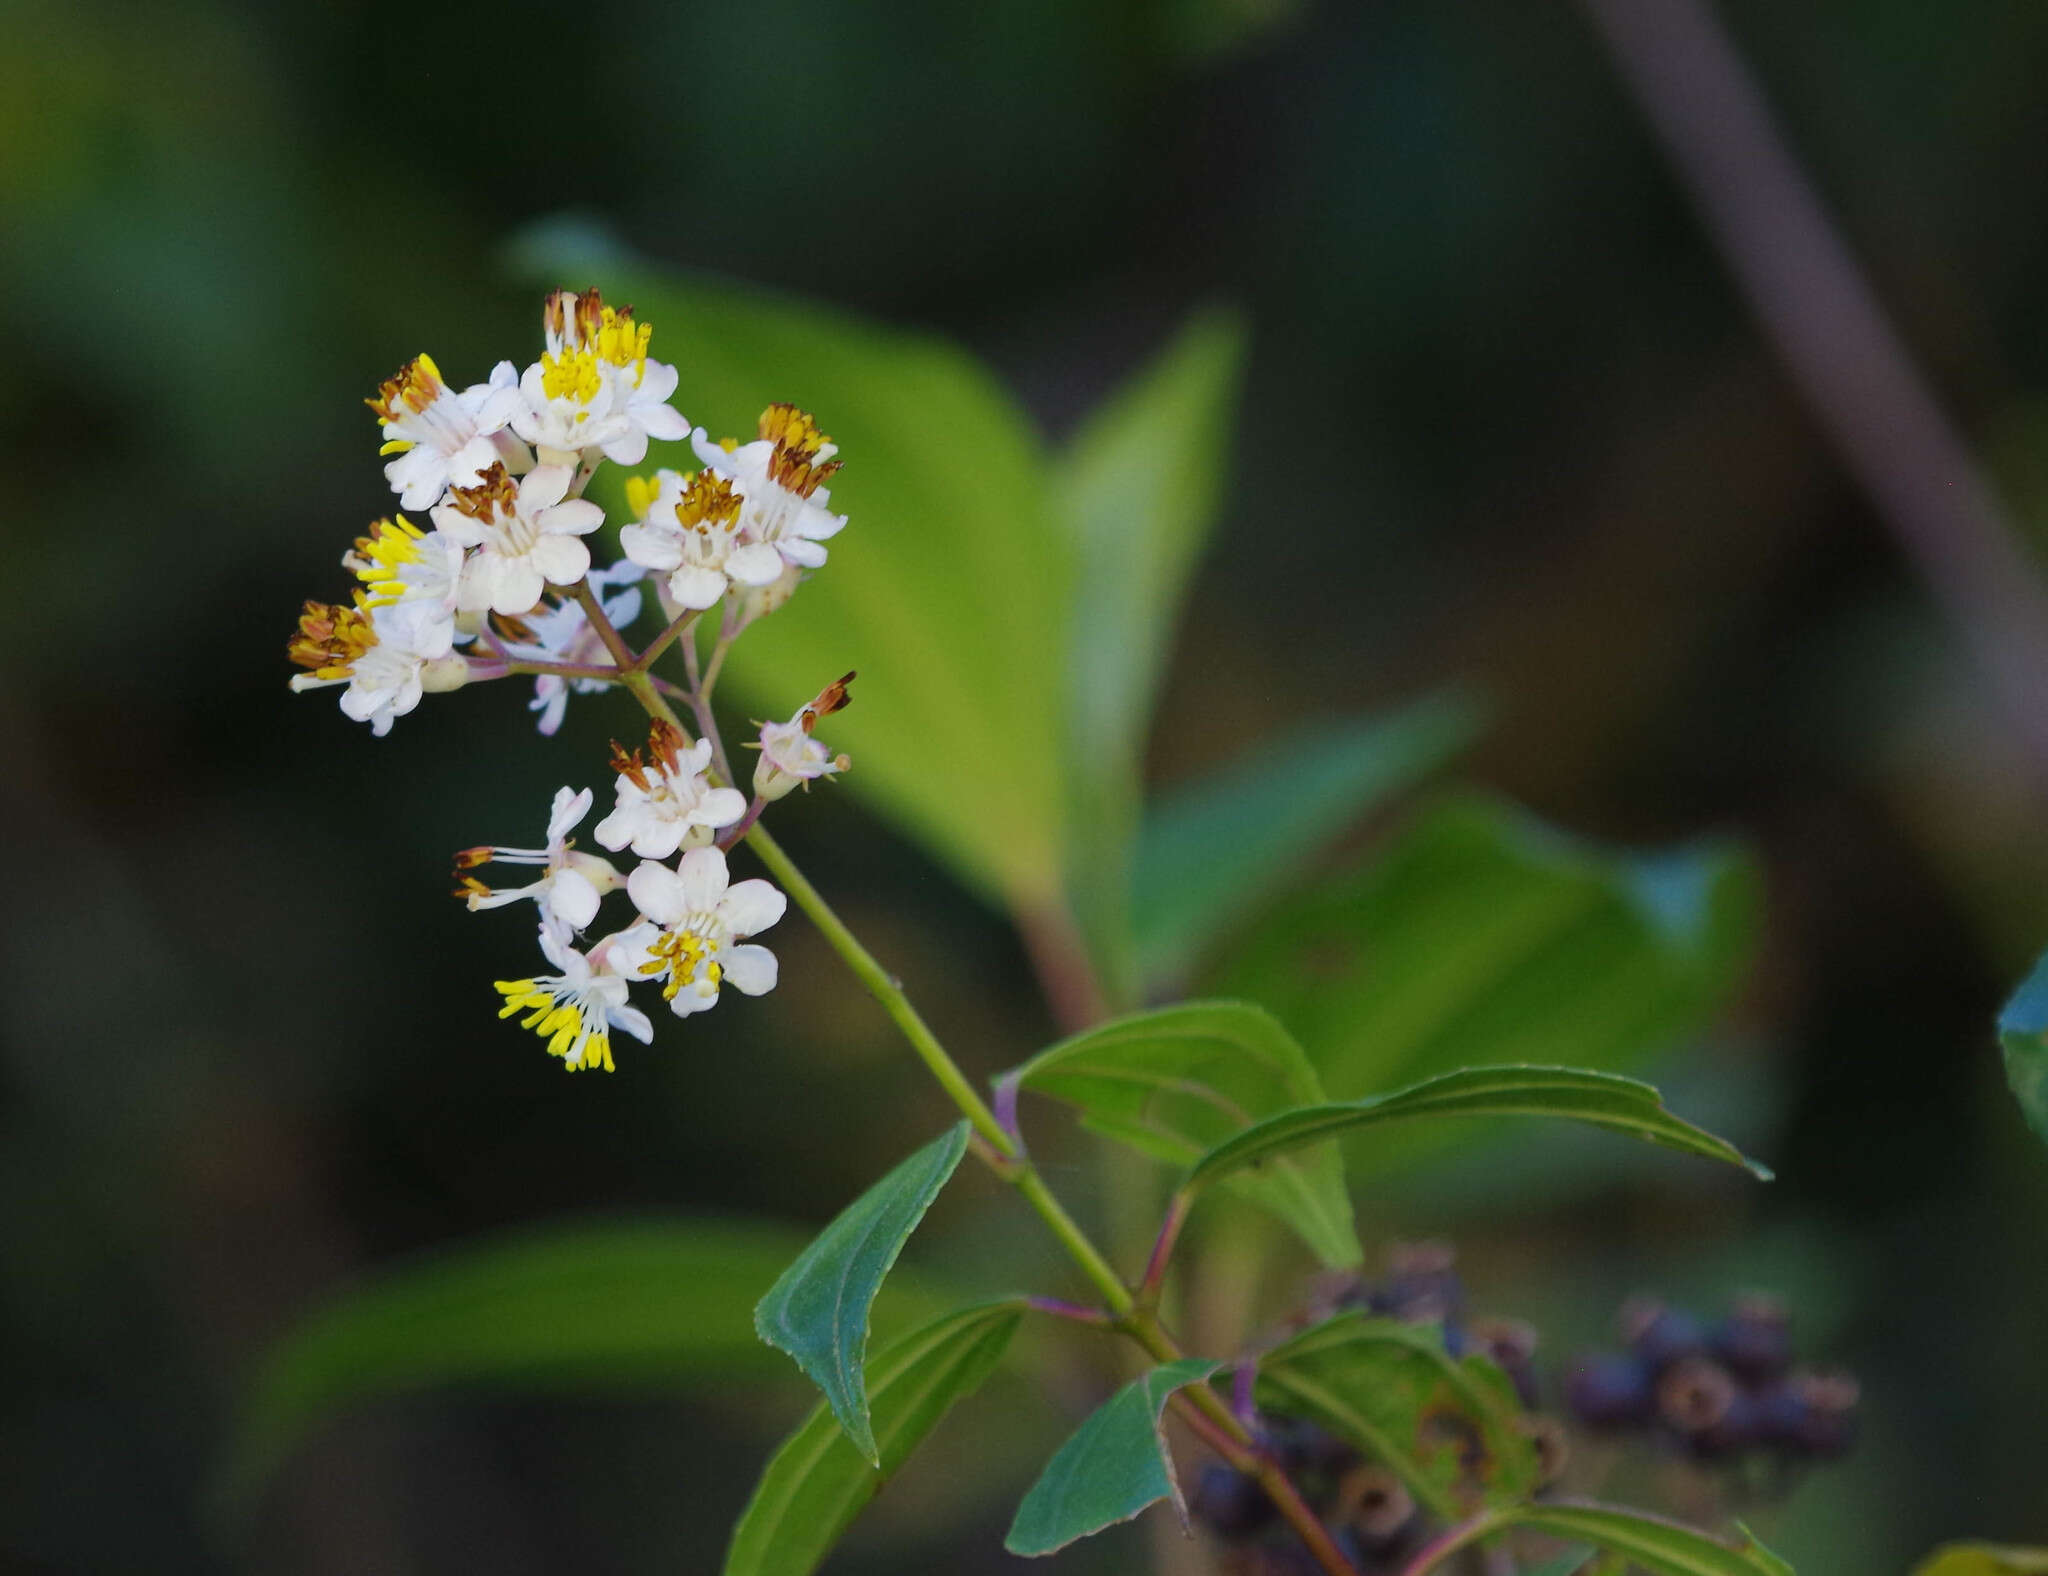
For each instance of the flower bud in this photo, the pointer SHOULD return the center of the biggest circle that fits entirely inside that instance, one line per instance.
(443, 674)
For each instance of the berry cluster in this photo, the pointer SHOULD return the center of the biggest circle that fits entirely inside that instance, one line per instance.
(1721, 1393)
(1367, 1509)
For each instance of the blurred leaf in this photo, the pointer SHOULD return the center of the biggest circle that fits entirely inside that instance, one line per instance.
(1446, 1426)
(950, 588)
(1483, 936)
(1622, 1105)
(1176, 1082)
(817, 1482)
(1983, 1559)
(1655, 1544)
(2023, 1035)
(1113, 1466)
(1216, 848)
(1568, 1563)
(817, 1311)
(599, 1304)
(1139, 486)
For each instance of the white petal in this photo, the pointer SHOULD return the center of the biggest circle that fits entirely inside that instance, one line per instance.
(544, 487)
(799, 550)
(695, 587)
(572, 896)
(651, 548)
(749, 970)
(634, 1022)
(750, 907)
(562, 559)
(663, 421)
(657, 383)
(756, 564)
(721, 807)
(615, 831)
(514, 585)
(658, 892)
(687, 1003)
(569, 808)
(577, 517)
(704, 877)
(628, 448)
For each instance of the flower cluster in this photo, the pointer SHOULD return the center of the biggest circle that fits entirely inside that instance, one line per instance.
(499, 581)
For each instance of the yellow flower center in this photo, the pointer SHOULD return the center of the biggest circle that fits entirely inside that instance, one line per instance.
(390, 545)
(331, 639)
(571, 375)
(679, 952)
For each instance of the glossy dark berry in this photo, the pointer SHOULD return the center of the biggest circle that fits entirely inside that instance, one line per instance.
(1609, 1391)
(1230, 1504)
(1754, 1342)
(1660, 1334)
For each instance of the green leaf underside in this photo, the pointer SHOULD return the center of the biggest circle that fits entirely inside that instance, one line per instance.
(1480, 937)
(1445, 1425)
(1607, 1100)
(1113, 1466)
(818, 1310)
(1175, 1083)
(2023, 1036)
(1665, 1547)
(589, 1305)
(1984, 1559)
(1213, 852)
(1139, 487)
(816, 1484)
(950, 588)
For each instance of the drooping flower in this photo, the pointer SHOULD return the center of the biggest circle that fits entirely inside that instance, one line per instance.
(780, 479)
(789, 755)
(398, 562)
(559, 631)
(688, 530)
(665, 801)
(442, 438)
(387, 656)
(595, 389)
(576, 1010)
(574, 883)
(527, 535)
(698, 916)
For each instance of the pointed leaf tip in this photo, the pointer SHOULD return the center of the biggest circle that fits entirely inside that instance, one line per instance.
(818, 1310)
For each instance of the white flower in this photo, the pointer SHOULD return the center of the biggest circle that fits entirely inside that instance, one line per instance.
(789, 755)
(594, 388)
(574, 883)
(779, 478)
(442, 438)
(697, 920)
(387, 656)
(397, 562)
(527, 535)
(665, 801)
(559, 631)
(689, 530)
(576, 1009)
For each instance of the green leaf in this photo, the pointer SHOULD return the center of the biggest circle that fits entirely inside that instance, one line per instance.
(1139, 487)
(817, 1482)
(1447, 1426)
(818, 1310)
(590, 1305)
(1622, 1105)
(1984, 1559)
(1113, 1466)
(1481, 936)
(950, 589)
(1214, 851)
(1653, 1543)
(1177, 1082)
(2023, 1035)
(1568, 1563)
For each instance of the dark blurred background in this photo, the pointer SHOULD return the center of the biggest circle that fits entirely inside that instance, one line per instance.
(1507, 422)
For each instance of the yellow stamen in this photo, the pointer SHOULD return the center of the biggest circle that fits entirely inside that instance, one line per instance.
(571, 375)
(381, 554)
(331, 639)
(416, 385)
